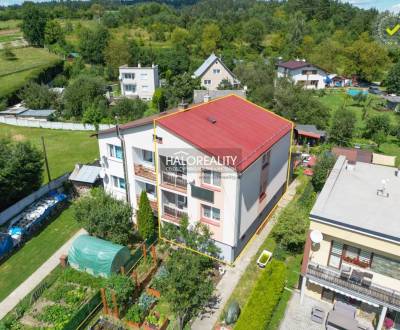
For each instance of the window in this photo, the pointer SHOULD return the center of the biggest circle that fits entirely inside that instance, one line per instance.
(386, 266)
(129, 88)
(143, 76)
(335, 256)
(150, 189)
(216, 71)
(118, 182)
(207, 82)
(145, 88)
(210, 212)
(129, 76)
(147, 156)
(212, 178)
(265, 159)
(114, 151)
(181, 202)
(308, 72)
(264, 175)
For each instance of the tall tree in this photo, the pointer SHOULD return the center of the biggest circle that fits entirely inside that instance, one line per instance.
(210, 38)
(322, 170)
(54, 33)
(342, 127)
(145, 217)
(21, 171)
(92, 44)
(393, 79)
(33, 26)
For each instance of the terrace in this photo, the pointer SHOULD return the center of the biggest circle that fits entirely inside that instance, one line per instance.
(372, 293)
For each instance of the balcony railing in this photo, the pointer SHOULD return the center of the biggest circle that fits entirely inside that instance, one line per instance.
(379, 294)
(173, 211)
(145, 172)
(174, 180)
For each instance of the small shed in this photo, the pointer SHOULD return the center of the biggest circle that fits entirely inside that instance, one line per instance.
(85, 177)
(97, 256)
(392, 102)
(305, 134)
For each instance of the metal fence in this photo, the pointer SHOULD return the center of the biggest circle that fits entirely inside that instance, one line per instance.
(51, 124)
(16, 208)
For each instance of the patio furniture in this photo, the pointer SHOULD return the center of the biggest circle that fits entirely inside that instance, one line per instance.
(356, 276)
(337, 320)
(367, 280)
(345, 272)
(345, 309)
(317, 315)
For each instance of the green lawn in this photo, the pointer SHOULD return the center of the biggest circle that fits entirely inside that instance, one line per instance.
(35, 252)
(64, 148)
(30, 61)
(335, 99)
(10, 24)
(10, 37)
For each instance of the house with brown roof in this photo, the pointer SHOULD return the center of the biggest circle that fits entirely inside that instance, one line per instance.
(301, 72)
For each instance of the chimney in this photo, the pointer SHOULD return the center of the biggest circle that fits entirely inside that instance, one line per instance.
(212, 120)
(397, 172)
(139, 65)
(206, 98)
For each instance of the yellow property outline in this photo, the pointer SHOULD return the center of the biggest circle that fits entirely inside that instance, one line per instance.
(231, 264)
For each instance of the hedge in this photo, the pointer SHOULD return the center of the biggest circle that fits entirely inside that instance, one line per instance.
(258, 311)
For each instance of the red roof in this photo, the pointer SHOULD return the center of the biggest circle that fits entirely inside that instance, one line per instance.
(309, 134)
(229, 126)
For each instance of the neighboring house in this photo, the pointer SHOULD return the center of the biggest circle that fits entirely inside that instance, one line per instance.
(392, 102)
(203, 95)
(139, 81)
(213, 71)
(304, 73)
(352, 252)
(353, 155)
(309, 134)
(20, 111)
(224, 163)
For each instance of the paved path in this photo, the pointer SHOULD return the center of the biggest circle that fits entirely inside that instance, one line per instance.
(32, 281)
(232, 276)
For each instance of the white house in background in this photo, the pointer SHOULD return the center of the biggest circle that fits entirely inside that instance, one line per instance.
(139, 81)
(304, 73)
(202, 163)
(213, 71)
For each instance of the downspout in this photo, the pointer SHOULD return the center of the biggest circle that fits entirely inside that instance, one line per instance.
(124, 165)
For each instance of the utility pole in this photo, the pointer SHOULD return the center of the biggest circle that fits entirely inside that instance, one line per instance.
(45, 159)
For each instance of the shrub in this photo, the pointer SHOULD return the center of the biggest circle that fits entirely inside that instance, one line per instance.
(264, 298)
(145, 217)
(135, 314)
(321, 170)
(145, 301)
(57, 315)
(123, 287)
(36, 96)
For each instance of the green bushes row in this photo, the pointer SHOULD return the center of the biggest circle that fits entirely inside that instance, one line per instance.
(258, 311)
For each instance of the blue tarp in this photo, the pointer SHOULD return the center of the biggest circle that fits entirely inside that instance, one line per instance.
(6, 244)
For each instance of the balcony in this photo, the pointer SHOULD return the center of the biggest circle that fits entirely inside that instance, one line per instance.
(174, 181)
(331, 278)
(145, 172)
(173, 213)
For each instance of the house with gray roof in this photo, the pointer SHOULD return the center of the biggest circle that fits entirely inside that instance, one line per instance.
(213, 71)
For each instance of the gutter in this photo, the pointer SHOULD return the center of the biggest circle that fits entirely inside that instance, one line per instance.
(124, 165)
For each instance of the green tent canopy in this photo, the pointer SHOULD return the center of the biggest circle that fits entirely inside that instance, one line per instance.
(97, 256)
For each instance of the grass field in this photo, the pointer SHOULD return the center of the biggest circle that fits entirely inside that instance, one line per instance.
(14, 74)
(35, 252)
(10, 24)
(64, 148)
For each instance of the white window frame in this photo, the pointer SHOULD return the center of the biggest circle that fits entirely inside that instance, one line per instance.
(207, 81)
(126, 89)
(112, 151)
(145, 160)
(215, 178)
(144, 76)
(215, 213)
(128, 75)
(216, 71)
(149, 194)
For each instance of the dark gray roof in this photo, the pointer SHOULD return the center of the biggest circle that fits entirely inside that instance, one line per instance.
(86, 173)
(350, 200)
(17, 110)
(198, 94)
(37, 113)
(393, 99)
(310, 128)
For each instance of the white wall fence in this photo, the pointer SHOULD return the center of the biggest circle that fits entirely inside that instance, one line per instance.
(51, 124)
(13, 210)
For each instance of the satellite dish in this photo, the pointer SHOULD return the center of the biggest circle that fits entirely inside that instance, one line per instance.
(316, 236)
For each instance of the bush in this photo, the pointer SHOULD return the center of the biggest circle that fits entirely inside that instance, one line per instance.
(135, 314)
(145, 217)
(145, 301)
(258, 311)
(322, 169)
(123, 287)
(37, 96)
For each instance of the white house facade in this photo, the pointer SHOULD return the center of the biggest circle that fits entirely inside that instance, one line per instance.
(139, 81)
(303, 73)
(213, 71)
(200, 170)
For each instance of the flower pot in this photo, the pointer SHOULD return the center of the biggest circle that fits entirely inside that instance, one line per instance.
(153, 292)
(133, 325)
